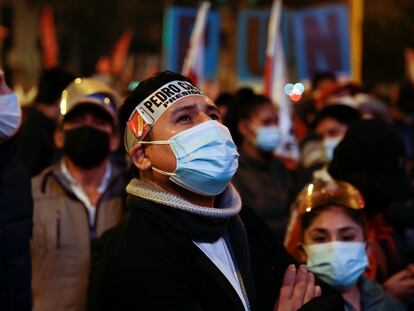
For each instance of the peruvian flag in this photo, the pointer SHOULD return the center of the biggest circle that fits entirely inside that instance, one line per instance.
(275, 80)
(193, 66)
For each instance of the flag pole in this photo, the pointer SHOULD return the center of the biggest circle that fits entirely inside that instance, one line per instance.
(272, 30)
(356, 20)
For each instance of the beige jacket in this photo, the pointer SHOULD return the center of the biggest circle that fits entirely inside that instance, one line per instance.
(61, 242)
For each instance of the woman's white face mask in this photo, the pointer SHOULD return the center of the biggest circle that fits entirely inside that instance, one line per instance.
(329, 145)
(339, 264)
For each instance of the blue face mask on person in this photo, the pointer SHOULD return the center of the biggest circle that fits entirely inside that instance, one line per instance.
(339, 264)
(207, 158)
(329, 144)
(268, 138)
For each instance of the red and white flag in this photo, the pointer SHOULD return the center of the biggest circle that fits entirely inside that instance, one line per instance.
(193, 66)
(275, 80)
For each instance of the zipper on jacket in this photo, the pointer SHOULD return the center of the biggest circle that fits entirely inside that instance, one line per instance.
(58, 229)
(94, 229)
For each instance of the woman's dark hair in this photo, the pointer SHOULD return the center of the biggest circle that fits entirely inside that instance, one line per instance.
(357, 215)
(245, 102)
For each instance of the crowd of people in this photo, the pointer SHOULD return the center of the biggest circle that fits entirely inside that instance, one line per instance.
(167, 199)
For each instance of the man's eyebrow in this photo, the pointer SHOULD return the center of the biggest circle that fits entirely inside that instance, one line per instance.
(183, 108)
(212, 108)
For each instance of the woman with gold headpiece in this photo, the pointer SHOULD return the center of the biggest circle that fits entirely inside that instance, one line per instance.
(327, 231)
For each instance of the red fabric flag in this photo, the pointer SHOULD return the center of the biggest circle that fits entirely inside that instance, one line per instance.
(120, 52)
(48, 38)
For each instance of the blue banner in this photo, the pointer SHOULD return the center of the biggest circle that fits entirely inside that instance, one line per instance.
(321, 39)
(251, 42)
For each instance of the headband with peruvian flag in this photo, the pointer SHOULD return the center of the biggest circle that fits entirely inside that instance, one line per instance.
(148, 111)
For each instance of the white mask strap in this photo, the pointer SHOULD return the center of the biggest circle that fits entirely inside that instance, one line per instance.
(156, 142)
(162, 172)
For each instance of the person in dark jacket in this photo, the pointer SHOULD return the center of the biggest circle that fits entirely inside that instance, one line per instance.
(262, 179)
(16, 208)
(36, 147)
(183, 244)
(371, 157)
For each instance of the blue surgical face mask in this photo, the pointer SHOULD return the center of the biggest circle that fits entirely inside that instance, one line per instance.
(268, 138)
(329, 144)
(339, 264)
(10, 116)
(207, 158)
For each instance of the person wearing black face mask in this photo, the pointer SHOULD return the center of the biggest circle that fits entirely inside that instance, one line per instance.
(78, 199)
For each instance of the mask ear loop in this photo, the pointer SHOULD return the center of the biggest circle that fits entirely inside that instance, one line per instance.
(159, 142)
(156, 142)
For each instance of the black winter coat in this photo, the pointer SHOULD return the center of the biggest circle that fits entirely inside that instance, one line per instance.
(149, 262)
(16, 209)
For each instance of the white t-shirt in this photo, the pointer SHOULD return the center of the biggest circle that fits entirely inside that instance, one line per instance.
(219, 254)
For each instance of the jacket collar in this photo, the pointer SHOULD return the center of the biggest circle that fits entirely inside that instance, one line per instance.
(227, 204)
(196, 227)
(55, 171)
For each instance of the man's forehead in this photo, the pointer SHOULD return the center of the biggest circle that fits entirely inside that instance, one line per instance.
(196, 102)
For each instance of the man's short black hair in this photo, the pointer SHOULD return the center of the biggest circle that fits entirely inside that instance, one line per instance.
(51, 84)
(143, 90)
(320, 76)
(341, 113)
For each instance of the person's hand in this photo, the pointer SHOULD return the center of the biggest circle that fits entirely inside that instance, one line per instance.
(298, 287)
(4, 88)
(401, 284)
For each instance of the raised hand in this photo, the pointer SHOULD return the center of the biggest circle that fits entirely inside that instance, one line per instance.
(298, 288)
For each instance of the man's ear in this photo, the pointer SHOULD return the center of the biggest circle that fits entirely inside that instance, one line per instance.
(139, 157)
(59, 138)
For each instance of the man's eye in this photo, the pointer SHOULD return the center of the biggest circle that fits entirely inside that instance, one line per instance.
(184, 118)
(214, 116)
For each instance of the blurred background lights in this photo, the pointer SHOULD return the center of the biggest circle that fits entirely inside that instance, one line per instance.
(294, 91)
(289, 88)
(132, 85)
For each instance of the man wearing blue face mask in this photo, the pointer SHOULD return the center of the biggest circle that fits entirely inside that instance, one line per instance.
(262, 179)
(182, 244)
(16, 207)
(331, 125)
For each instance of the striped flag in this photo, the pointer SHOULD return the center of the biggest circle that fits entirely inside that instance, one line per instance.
(275, 80)
(48, 38)
(193, 66)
